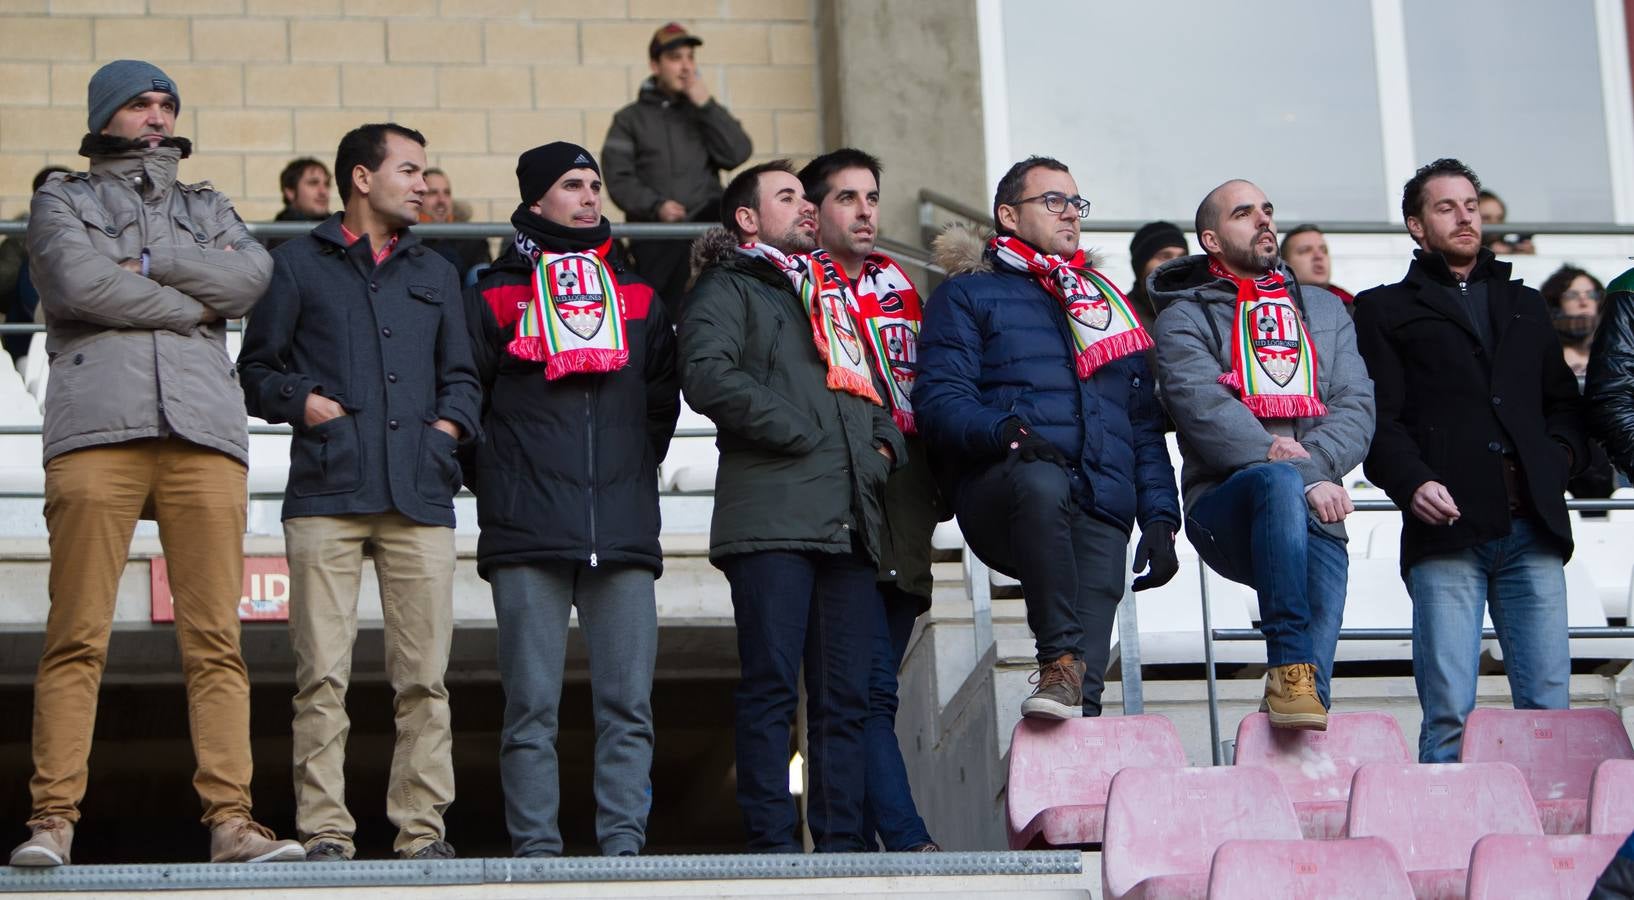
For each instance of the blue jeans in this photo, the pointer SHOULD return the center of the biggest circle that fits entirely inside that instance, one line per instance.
(1521, 579)
(820, 609)
(1256, 529)
(889, 810)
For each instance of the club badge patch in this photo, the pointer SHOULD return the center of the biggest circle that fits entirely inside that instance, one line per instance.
(1276, 341)
(577, 292)
(1089, 309)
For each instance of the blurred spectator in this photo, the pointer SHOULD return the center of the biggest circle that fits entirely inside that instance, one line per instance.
(305, 184)
(439, 207)
(1305, 250)
(1154, 244)
(664, 154)
(18, 298)
(1493, 214)
(1574, 297)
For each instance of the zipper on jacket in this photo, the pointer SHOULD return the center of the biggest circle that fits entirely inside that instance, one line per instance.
(590, 458)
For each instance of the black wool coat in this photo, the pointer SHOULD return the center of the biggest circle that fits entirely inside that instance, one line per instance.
(386, 342)
(1448, 408)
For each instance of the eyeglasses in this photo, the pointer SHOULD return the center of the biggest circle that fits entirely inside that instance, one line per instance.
(1057, 203)
(1590, 294)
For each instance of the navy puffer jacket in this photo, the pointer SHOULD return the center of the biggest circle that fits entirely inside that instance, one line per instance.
(995, 345)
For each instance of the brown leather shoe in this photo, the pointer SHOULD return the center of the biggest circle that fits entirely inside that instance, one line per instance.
(241, 840)
(1060, 691)
(48, 846)
(1290, 698)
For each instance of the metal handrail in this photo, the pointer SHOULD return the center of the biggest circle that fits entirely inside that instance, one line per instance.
(1212, 634)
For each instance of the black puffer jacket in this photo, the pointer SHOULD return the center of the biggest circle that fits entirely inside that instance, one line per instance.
(568, 469)
(800, 468)
(1610, 384)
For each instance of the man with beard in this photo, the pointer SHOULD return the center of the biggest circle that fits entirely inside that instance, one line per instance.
(137, 275)
(770, 352)
(1272, 406)
(844, 186)
(577, 363)
(360, 345)
(1048, 442)
(1479, 428)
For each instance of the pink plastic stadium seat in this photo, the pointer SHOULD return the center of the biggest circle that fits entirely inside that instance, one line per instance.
(1611, 798)
(1059, 773)
(1556, 749)
(1315, 766)
(1163, 826)
(1434, 814)
(1539, 867)
(1359, 868)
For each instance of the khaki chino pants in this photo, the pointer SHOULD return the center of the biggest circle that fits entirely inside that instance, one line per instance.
(415, 567)
(93, 498)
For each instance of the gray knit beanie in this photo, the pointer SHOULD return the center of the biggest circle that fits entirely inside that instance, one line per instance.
(116, 83)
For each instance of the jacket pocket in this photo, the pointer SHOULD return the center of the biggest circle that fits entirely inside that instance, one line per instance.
(326, 459)
(112, 232)
(439, 472)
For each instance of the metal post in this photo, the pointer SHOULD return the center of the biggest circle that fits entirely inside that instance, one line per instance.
(1208, 665)
(979, 587)
(1134, 699)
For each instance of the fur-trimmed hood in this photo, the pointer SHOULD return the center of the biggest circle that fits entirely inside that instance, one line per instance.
(711, 248)
(962, 250)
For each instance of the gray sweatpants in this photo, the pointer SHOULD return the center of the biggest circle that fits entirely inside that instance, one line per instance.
(619, 617)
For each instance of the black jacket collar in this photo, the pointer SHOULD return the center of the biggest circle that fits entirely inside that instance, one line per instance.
(1432, 281)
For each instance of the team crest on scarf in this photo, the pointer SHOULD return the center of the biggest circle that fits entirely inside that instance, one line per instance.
(831, 308)
(1276, 341)
(579, 301)
(1273, 365)
(574, 321)
(890, 315)
(1102, 325)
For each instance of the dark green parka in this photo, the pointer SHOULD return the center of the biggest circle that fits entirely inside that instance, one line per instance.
(799, 463)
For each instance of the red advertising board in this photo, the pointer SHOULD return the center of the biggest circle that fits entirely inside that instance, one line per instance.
(265, 597)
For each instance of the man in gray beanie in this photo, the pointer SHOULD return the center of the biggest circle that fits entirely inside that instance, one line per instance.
(137, 275)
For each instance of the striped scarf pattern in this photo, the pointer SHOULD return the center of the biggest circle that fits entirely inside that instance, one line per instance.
(574, 322)
(832, 309)
(891, 311)
(1103, 326)
(1273, 365)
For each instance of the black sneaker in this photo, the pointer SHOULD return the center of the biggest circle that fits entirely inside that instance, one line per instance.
(433, 850)
(327, 851)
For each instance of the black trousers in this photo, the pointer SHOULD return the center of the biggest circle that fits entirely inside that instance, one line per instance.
(1020, 518)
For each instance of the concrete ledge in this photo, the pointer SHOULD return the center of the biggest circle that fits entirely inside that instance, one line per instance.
(371, 874)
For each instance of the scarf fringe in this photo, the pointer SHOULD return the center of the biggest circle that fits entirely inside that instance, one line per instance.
(1112, 348)
(531, 349)
(585, 360)
(846, 380)
(1285, 406)
(904, 421)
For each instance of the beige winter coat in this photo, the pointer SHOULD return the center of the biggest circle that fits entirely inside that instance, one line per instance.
(130, 357)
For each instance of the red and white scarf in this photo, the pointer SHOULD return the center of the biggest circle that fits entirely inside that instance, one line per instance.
(832, 309)
(890, 315)
(1273, 365)
(1098, 315)
(574, 322)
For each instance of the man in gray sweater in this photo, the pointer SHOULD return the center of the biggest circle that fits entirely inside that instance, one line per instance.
(1273, 406)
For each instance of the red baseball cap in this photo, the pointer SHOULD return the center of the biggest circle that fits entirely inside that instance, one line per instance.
(668, 38)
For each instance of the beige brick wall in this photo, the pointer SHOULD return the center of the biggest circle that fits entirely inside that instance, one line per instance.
(265, 80)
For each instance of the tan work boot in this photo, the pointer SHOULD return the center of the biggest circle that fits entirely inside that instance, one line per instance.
(241, 840)
(1060, 691)
(1290, 698)
(48, 846)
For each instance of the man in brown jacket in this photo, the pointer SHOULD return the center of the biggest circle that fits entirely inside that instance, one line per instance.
(137, 274)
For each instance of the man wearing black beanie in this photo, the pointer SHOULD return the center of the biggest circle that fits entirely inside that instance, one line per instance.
(1154, 244)
(577, 362)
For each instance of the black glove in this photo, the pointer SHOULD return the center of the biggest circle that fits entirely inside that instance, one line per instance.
(1156, 546)
(1020, 439)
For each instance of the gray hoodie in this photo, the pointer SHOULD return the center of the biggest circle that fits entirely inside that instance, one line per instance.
(1218, 435)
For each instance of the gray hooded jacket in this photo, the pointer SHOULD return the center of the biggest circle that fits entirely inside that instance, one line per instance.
(1218, 435)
